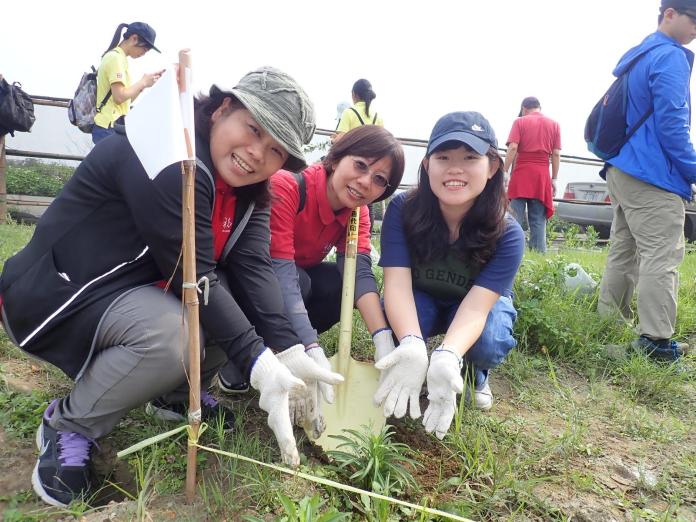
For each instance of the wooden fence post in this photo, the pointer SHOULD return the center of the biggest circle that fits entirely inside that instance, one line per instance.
(3, 182)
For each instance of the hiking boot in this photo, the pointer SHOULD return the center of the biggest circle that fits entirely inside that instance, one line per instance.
(230, 380)
(61, 474)
(483, 397)
(211, 410)
(658, 349)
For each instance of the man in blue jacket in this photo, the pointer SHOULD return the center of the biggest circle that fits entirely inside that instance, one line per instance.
(650, 179)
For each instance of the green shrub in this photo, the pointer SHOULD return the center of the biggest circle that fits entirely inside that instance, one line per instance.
(34, 178)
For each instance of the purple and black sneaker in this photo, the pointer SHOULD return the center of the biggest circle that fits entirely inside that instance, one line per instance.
(61, 474)
(211, 410)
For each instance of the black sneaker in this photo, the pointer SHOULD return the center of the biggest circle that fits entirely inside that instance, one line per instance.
(61, 474)
(230, 380)
(659, 349)
(211, 410)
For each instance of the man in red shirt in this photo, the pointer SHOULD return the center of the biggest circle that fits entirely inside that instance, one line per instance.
(533, 140)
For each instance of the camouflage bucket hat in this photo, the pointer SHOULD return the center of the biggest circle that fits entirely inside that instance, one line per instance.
(282, 107)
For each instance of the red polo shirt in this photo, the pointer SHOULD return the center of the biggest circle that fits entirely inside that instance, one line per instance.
(536, 136)
(307, 237)
(223, 215)
(221, 220)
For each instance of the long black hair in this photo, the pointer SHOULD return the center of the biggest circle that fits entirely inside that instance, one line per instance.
(362, 89)
(203, 108)
(116, 38)
(427, 234)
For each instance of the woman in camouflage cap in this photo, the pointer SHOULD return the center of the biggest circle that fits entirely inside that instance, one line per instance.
(96, 292)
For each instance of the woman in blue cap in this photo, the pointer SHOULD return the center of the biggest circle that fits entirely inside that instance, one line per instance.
(450, 254)
(115, 90)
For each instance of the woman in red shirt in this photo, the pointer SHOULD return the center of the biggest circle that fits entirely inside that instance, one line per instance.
(309, 216)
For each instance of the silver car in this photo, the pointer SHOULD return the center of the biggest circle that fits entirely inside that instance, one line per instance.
(588, 203)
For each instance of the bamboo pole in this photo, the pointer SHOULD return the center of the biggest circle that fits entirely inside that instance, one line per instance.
(190, 293)
(345, 332)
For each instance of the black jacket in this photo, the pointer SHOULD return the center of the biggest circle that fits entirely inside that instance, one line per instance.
(112, 229)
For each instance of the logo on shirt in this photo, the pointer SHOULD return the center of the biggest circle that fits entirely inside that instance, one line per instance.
(119, 76)
(227, 224)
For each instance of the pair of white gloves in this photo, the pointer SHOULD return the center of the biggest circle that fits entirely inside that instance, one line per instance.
(306, 406)
(403, 371)
(289, 384)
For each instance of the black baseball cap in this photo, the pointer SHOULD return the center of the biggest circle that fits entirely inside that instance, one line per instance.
(467, 127)
(144, 31)
(682, 6)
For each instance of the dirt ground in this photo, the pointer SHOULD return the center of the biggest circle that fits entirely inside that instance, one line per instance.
(619, 466)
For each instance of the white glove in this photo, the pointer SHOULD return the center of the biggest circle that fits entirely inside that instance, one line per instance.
(326, 387)
(403, 373)
(305, 409)
(314, 422)
(275, 382)
(384, 343)
(444, 383)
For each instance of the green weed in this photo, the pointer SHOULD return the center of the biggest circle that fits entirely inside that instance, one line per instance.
(368, 459)
(20, 413)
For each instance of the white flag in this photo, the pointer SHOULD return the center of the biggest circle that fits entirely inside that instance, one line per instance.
(155, 126)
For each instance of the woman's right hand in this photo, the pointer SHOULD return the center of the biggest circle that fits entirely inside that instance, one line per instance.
(149, 79)
(275, 383)
(403, 373)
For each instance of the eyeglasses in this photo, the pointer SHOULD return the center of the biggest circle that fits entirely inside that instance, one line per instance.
(377, 178)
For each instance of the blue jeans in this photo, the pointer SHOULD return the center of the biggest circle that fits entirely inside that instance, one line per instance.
(524, 209)
(496, 341)
(99, 133)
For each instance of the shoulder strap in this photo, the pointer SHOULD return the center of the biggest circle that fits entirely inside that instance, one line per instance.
(103, 102)
(650, 110)
(302, 189)
(238, 230)
(106, 96)
(358, 115)
(374, 120)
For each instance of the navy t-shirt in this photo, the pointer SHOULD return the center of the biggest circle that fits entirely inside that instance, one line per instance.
(451, 277)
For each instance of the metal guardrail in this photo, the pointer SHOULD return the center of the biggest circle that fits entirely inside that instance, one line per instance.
(51, 101)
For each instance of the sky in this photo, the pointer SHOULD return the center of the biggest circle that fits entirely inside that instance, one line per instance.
(424, 59)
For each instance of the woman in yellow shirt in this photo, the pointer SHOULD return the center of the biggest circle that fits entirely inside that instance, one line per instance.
(115, 92)
(359, 114)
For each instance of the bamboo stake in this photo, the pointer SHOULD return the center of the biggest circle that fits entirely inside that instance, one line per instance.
(345, 332)
(190, 294)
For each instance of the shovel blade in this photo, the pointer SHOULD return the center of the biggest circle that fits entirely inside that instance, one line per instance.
(353, 407)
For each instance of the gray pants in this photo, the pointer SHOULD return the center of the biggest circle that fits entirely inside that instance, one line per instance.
(646, 249)
(140, 354)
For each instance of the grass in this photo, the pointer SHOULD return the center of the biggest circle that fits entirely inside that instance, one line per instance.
(575, 431)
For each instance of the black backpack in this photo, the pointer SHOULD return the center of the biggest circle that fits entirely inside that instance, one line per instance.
(16, 108)
(606, 130)
(301, 189)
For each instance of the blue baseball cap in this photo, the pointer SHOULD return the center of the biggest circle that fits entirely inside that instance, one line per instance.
(144, 31)
(469, 127)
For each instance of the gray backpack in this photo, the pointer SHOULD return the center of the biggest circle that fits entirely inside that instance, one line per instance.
(83, 107)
